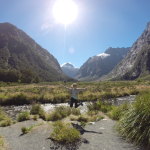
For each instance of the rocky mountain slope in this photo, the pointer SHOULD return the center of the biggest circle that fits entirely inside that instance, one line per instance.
(102, 64)
(137, 62)
(21, 58)
(69, 70)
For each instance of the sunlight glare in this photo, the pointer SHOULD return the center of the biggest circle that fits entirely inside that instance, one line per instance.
(65, 11)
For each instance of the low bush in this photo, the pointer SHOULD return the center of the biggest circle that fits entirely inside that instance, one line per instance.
(23, 116)
(118, 111)
(135, 123)
(62, 112)
(4, 119)
(38, 110)
(35, 117)
(100, 106)
(6, 122)
(83, 118)
(24, 130)
(95, 118)
(2, 143)
(64, 133)
(75, 111)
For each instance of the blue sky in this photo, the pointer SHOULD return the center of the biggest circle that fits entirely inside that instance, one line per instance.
(100, 24)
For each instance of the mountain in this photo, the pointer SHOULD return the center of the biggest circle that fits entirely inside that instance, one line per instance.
(21, 58)
(101, 64)
(69, 70)
(137, 62)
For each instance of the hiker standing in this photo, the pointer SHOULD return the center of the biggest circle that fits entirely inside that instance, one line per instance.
(74, 91)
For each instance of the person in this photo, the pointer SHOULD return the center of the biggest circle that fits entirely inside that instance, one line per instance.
(74, 91)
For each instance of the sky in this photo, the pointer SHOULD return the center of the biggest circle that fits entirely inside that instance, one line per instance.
(100, 24)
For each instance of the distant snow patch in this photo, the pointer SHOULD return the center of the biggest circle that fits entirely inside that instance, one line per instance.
(103, 55)
(68, 63)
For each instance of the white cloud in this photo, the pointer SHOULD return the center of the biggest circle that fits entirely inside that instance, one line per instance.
(71, 50)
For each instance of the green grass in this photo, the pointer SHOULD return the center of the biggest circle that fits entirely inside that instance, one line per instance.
(26, 130)
(2, 143)
(23, 116)
(38, 110)
(135, 123)
(54, 92)
(99, 106)
(62, 112)
(64, 133)
(5, 120)
(118, 111)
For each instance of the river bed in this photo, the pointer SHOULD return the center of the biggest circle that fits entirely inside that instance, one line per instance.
(14, 110)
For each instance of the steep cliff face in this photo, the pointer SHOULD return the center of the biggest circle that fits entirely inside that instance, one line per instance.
(21, 54)
(101, 64)
(137, 62)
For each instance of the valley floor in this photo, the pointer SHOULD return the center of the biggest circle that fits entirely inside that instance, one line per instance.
(98, 136)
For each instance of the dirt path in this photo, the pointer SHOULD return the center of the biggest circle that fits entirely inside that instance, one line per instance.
(105, 137)
(108, 140)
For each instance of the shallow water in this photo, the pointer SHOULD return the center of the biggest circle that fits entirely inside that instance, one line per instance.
(14, 110)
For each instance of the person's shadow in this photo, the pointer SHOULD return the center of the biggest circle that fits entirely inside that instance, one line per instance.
(82, 130)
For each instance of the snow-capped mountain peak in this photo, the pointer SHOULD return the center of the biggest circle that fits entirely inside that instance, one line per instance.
(69, 69)
(67, 65)
(103, 55)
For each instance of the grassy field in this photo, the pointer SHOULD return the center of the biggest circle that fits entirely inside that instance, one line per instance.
(54, 92)
(133, 120)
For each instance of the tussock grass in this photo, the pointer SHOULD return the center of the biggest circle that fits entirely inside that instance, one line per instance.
(62, 112)
(26, 130)
(64, 133)
(99, 106)
(38, 111)
(118, 111)
(135, 123)
(23, 116)
(5, 120)
(2, 143)
(55, 93)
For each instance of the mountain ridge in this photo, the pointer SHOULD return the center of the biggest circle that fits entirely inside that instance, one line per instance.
(101, 64)
(20, 53)
(136, 63)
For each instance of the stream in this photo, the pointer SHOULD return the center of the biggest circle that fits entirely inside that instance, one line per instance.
(14, 110)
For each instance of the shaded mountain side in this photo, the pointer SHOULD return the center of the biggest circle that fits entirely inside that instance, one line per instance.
(102, 64)
(137, 62)
(22, 58)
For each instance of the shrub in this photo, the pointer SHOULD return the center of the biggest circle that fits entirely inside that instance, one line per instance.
(23, 116)
(4, 119)
(95, 118)
(2, 143)
(64, 133)
(100, 106)
(35, 109)
(135, 123)
(82, 119)
(38, 110)
(60, 113)
(75, 111)
(6, 122)
(24, 130)
(118, 111)
(35, 117)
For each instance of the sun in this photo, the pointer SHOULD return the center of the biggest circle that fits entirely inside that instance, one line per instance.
(65, 11)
